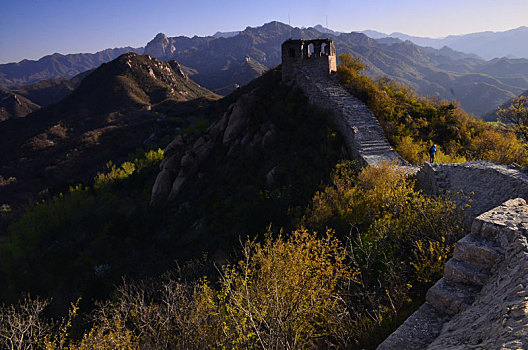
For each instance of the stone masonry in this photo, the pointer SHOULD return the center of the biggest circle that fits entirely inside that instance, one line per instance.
(482, 300)
(482, 185)
(357, 125)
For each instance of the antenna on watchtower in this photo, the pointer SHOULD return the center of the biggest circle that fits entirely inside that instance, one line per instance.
(289, 25)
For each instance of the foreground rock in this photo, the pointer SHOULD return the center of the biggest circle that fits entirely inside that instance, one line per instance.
(482, 300)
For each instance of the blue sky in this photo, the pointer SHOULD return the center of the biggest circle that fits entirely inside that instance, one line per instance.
(34, 28)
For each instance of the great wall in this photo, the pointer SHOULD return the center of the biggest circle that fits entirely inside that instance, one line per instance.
(314, 74)
(482, 300)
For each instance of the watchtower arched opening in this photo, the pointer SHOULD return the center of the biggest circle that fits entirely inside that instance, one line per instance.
(311, 49)
(325, 49)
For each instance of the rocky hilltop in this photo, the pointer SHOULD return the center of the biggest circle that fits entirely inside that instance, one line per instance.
(13, 105)
(114, 110)
(269, 151)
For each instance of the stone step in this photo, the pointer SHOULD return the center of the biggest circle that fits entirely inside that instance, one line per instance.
(451, 298)
(364, 147)
(374, 148)
(443, 184)
(380, 153)
(373, 142)
(465, 273)
(376, 152)
(476, 251)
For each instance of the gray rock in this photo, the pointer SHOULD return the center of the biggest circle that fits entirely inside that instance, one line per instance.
(494, 256)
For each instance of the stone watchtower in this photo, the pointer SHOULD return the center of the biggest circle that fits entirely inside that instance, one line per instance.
(318, 54)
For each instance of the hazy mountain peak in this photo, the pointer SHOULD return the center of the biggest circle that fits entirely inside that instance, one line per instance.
(225, 34)
(325, 30)
(161, 37)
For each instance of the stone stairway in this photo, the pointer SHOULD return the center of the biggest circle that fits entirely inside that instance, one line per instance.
(474, 260)
(442, 179)
(355, 122)
(464, 274)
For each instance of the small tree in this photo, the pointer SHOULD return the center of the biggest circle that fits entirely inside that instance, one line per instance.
(516, 114)
(22, 326)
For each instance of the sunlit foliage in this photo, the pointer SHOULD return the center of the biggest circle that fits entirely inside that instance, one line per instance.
(413, 123)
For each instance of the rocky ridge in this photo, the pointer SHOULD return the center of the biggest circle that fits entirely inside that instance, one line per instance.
(13, 105)
(117, 108)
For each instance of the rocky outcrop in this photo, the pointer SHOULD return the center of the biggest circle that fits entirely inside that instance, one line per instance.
(185, 156)
(357, 125)
(160, 47)
(482, 300)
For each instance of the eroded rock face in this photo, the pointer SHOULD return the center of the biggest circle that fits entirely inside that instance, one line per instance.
(482, 300)
(160, 46)
(184, 156)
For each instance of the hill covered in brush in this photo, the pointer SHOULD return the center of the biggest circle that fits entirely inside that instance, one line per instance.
(122, 105)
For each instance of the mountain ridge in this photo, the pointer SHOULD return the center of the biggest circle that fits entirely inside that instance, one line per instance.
(225, 62)
(115, 109)
(487, 44)
(56, 65)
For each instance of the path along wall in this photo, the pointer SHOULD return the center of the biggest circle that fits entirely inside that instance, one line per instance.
(356, 124)
(481, 185)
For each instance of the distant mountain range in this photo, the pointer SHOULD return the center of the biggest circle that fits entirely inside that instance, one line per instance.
(56, 65)
(22, 100)
(488, 45)
(225, 61)
(479, 85)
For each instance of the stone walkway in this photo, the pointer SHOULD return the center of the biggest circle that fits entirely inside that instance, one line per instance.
(354, 121)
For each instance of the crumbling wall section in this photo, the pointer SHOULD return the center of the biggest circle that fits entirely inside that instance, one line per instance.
(482, 185)
(482, 300)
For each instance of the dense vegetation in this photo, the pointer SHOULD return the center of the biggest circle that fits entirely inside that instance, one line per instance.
(339, 289)
(328, 256)
(82, 241)
(413, 123)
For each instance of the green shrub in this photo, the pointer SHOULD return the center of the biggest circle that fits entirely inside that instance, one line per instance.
(399, 240)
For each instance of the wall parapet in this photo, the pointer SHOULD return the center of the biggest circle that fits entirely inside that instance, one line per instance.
(482, 185)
